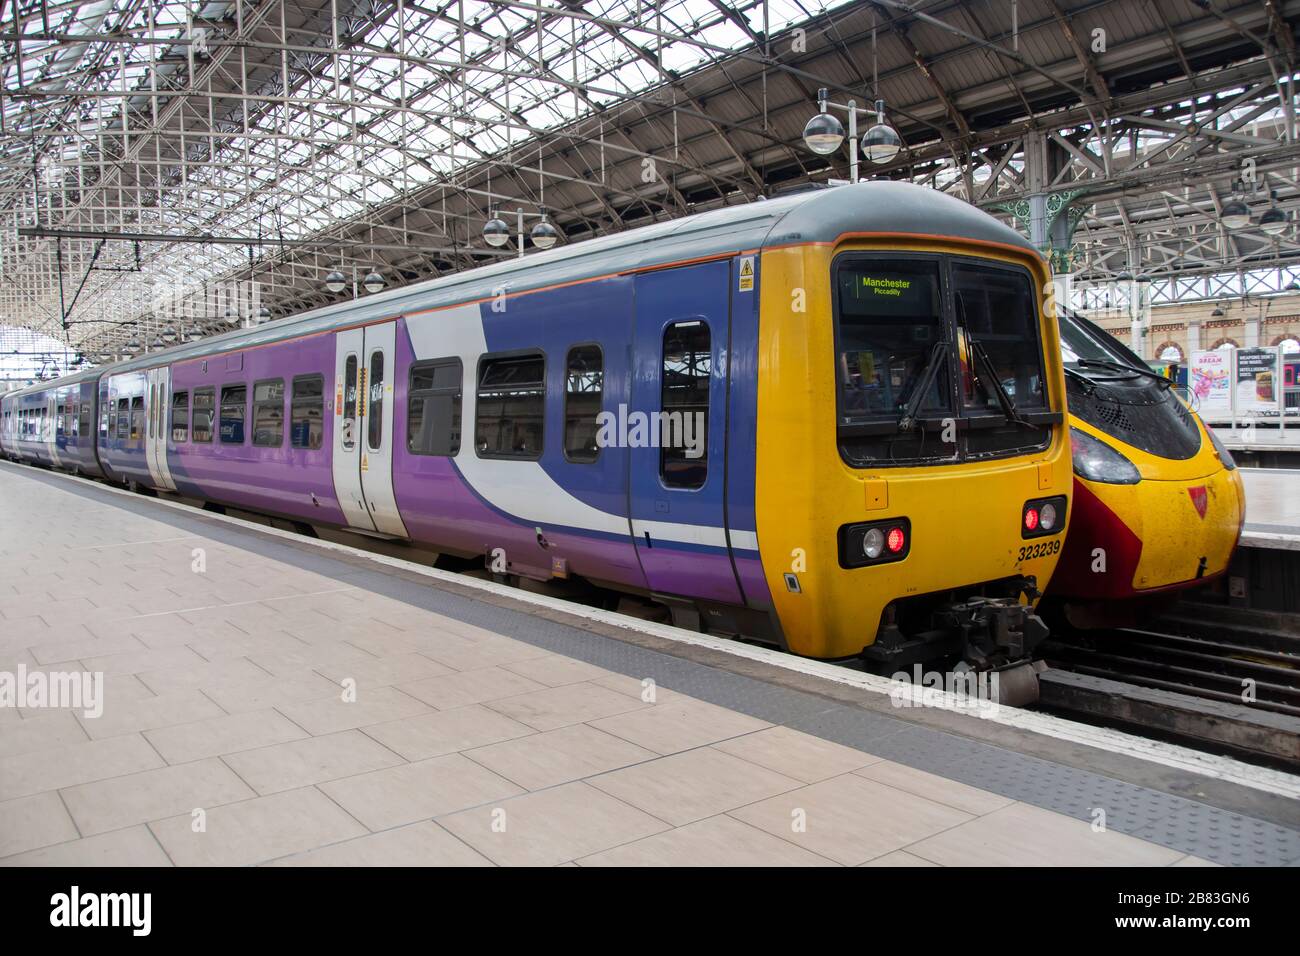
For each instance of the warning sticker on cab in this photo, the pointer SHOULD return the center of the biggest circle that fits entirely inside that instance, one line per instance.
(746, 274)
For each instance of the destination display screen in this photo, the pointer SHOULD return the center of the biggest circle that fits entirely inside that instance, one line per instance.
(889, 320)
(888, 293)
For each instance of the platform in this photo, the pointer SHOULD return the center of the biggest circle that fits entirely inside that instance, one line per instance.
(1266, 445)
(1272, 508)
(495, 727)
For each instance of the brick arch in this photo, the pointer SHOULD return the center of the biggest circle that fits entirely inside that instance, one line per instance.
(1170, 343)
(1232, 342)
(1293, 336)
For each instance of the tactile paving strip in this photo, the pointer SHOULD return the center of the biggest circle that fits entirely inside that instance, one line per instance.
(1220, 836)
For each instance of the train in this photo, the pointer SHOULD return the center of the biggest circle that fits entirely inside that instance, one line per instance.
(1159, 503)
(831, 421)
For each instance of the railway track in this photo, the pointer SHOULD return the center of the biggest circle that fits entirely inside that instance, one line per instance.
(1218, 678)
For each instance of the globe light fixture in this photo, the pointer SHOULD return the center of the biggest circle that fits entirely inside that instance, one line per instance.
(544, 234)
(1273, 221)
(1236, 214)
(495, 231)
(882, 142)
(824, 133)
(336, 281)
(373, 282)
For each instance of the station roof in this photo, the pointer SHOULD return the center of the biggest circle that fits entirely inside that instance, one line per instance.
(152, 156)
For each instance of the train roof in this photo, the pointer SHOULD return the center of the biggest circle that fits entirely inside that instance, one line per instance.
(811, 216)
(63, 381)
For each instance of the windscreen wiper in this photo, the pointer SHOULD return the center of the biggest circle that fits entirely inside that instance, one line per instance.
(1125, 367)
(1089, 385)
(908, 421)
(982, 358)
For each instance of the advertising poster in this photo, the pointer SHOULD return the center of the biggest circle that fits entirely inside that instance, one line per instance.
(1211, 384)
(1258, 381)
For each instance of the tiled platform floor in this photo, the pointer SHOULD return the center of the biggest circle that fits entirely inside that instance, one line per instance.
(225, 738)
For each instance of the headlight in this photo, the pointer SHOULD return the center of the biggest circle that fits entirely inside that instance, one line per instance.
(873, 543)
(1224, 455)
(1097, 461)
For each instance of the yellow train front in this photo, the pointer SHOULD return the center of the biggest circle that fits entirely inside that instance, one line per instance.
(913, 480)
(1158, 501)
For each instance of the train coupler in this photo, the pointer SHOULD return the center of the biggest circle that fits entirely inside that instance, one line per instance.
(995, 631)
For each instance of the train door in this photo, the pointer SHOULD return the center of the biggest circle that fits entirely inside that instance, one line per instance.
(363, 416)
(678, 460)
(158, 428)
(53, 423)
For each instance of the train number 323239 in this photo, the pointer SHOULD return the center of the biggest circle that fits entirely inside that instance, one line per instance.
(1041, 549)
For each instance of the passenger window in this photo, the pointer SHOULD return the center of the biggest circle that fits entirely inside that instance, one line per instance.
(375, 408)
(234, 407)
(153, 407)
(204, 406)
(268, 414)
(180, 417)
(511, 407)
(308, 412)
(59, 421)
(584, 385)
(433, 408)
(348, 432)
(123, 418)
(137, 418)
(684, 438)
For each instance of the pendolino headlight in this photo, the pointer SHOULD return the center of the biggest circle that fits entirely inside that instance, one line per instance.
(1097, 461)
(1225, 456)
(874, 542)
(1042, 517)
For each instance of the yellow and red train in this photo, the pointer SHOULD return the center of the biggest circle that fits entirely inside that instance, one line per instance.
(1158, 502)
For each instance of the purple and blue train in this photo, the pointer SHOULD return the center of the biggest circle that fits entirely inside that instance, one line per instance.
(880, 465)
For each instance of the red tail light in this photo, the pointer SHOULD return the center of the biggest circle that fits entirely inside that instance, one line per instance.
(1042, 517)
(896, 540)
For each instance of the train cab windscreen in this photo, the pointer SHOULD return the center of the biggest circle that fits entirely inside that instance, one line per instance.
(890, 320)
(1113, 390)
(923, 339)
